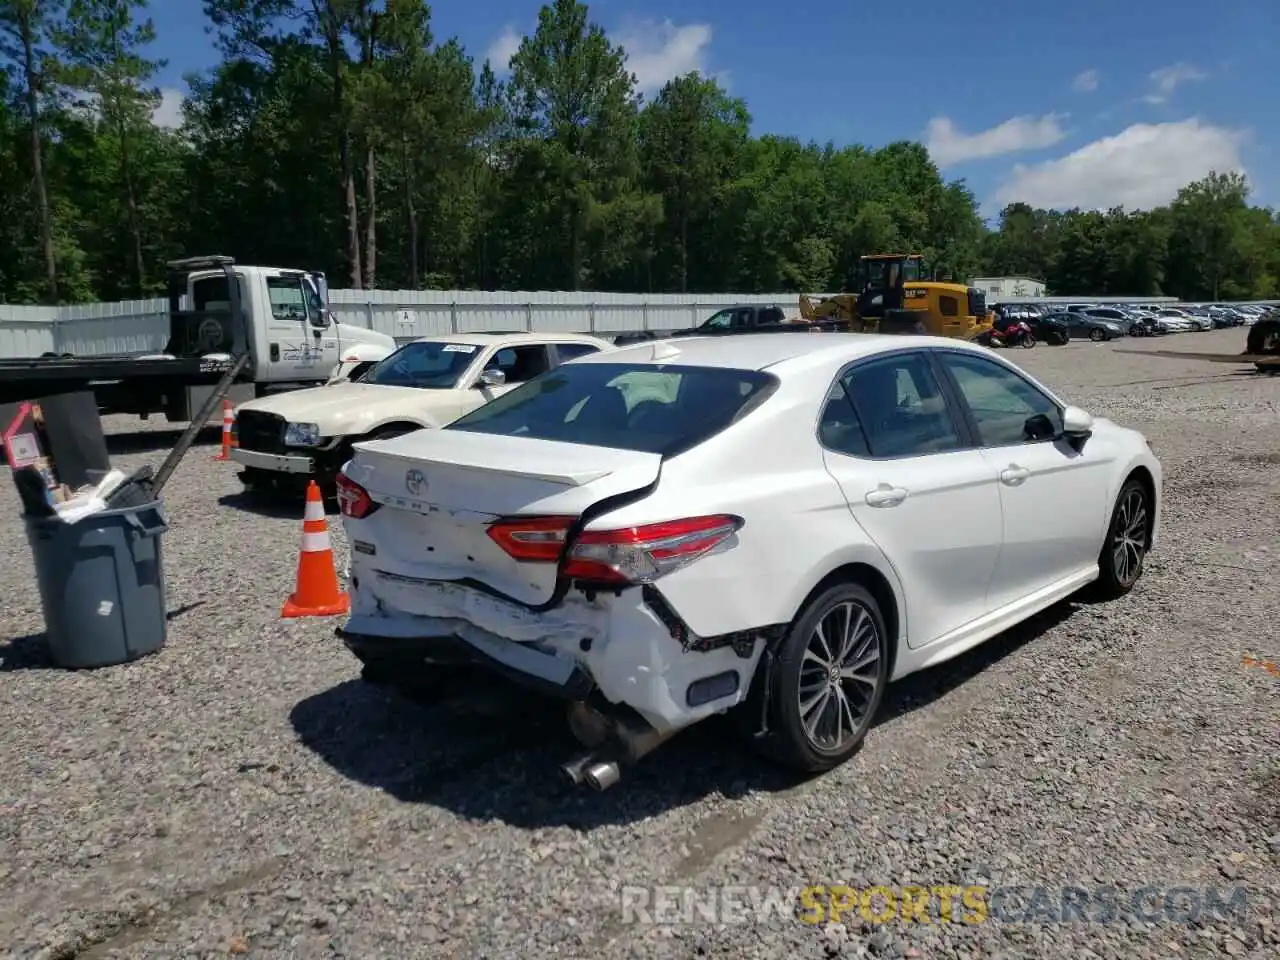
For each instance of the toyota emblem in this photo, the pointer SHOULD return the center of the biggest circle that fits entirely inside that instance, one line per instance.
(415, 482)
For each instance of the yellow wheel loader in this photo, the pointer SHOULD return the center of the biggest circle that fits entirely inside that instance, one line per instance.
(896, 295)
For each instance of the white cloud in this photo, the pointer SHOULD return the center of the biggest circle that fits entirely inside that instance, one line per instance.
(169, 113)
(1141, 167)
(503, 48)
(948, 145)
(1086, 81)
(657, 52)
(1167, 79)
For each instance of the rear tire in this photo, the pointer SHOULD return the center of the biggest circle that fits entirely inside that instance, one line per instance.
(1124, 552)
(828, 681)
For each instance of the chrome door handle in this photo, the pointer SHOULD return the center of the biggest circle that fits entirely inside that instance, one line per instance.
(1013, 475)
(885, 496)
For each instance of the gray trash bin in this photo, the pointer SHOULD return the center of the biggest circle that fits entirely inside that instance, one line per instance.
(101, 584)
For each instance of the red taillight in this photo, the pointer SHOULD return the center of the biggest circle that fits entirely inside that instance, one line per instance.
(630, 555)
(536, 539)
(643, 554)
(353, 500)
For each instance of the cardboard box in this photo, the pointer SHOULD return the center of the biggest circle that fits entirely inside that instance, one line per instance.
(26, 444)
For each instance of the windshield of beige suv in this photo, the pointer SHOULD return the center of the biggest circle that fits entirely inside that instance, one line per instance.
(426, 364)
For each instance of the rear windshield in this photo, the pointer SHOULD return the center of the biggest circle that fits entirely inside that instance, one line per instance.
(654, 409)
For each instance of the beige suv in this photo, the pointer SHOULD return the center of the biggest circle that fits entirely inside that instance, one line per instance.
(285, 440)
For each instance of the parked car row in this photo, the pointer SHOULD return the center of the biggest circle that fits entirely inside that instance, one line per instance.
(1056, 323)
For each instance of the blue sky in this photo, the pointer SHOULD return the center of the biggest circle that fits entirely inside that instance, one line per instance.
(1086, 103)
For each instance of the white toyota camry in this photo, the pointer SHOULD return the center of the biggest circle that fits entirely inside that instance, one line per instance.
(778, 523)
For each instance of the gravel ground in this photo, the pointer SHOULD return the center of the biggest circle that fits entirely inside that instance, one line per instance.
(241, 792)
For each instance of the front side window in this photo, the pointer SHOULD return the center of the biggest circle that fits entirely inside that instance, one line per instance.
(720, 321)
(1001, 401)
(901, 407)
(425, 364)
(519, 364)
(288, 296)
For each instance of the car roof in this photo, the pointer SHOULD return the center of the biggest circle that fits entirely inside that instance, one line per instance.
(760, 351)
(513, 339)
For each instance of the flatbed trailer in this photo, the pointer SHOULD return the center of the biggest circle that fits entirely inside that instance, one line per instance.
(122, 384)
(1262, 362)
(277, 319)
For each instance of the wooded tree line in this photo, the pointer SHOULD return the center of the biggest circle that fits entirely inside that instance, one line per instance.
(342, 135)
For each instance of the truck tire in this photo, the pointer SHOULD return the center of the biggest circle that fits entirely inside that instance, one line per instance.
(1264, 337)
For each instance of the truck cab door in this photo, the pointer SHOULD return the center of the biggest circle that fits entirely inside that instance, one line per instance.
(324, 326)
(300, 335)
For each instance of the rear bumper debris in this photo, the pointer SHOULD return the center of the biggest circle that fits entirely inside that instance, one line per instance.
(423, 654)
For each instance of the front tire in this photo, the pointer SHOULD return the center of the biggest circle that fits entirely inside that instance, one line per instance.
(1124, 553)
(1096, 335)
(828, 681)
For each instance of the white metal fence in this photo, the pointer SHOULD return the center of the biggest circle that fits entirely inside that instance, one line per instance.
(142, 326)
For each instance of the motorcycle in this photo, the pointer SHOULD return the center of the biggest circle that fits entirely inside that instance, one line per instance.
(1014, 334)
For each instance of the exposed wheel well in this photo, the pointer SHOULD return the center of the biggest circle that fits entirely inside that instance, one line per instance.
(874, 581)
(400, 425)
(1143, 476)
(360, 368)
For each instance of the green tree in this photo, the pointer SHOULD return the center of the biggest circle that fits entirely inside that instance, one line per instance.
(575, 109)
(1207, 224)
(691, 142)
(102, 44)
(24, 34)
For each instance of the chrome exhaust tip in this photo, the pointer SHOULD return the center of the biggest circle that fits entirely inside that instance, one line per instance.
(576, 770)
(602, 776)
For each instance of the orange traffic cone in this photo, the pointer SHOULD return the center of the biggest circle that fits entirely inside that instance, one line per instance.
(228, 420)
(317, 593)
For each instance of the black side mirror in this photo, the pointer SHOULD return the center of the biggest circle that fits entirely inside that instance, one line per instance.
(1038, 428)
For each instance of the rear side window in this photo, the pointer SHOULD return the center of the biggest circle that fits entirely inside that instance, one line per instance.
(839, 428)
(567, 351)
(664, 410)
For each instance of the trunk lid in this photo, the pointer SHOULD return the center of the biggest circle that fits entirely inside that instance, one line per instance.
(440, 490)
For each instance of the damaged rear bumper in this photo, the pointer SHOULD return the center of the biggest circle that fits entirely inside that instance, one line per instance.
(629, 649)
(415, 653)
